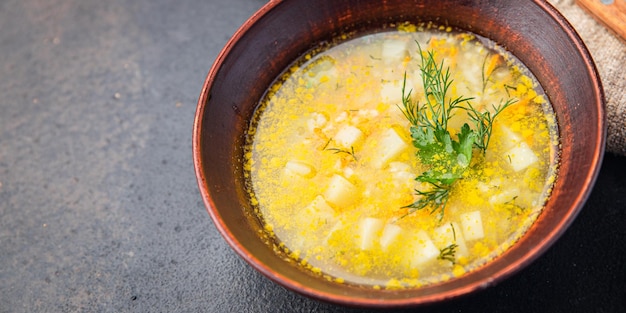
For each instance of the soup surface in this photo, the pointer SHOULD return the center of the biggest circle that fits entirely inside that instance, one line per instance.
(401, 158)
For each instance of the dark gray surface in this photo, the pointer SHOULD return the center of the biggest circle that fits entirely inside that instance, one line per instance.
(99, 207)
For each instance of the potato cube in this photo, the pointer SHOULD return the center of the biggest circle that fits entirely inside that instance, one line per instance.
(315, 219)
(317, 120)
(318, 214)
(394, 50)
(390, 145)
(449, 234)
(472, 226)
(422, 248)
(401, 172)
(340, 192)
(369, 231)
(299, 168)
(320, 208)
(348, 136)
(507, 195)
(510, 138)
(391, 91)
(334, 234)
(389, 235)
(521, 156)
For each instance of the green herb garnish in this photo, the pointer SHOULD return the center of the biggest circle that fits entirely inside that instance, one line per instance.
(448, 157)
(483, 122)
(486, 77)
(448, 253)
(339, 150)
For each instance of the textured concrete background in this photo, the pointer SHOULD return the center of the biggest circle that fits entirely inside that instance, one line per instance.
(99, 207)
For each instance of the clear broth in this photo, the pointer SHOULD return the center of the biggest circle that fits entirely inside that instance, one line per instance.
(331, 167)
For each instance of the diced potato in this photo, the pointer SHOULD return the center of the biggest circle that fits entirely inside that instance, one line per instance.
(483, 187)
(348, 172)
(394, 50)
(472, 225)
(390, 145)
(528, 199)
(417, 85)
(398, 167)
(340, 192)
(505, 196)
(390, 233)
(341, 117)
(314, 217)
(299, 168)
(510, 138)
(348, 136)
(367, 114)
(333, 235)
(474, 73)
(521, 156)
(422, 248)
(449, 234)
(317, 120)
(319, 207)
(401, 172)
(364, 115)
(493, 183)
(369, 231)
(391, 91)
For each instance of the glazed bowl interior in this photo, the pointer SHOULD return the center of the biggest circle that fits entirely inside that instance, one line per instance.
(281, 31)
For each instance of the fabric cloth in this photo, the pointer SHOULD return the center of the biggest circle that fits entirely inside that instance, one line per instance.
(609, 53)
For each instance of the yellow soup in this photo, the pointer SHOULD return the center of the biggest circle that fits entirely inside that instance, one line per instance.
(361, 167)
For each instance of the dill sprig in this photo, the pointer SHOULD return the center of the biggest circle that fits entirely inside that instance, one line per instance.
(339, 150)
(436, 198)
(483, 122)
(448, 157)
(448, 253)
(435, 113)
(486, 78)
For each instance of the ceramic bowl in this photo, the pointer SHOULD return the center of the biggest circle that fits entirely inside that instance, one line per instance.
(282, 31)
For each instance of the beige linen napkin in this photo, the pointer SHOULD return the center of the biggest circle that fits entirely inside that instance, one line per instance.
(609, 54)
